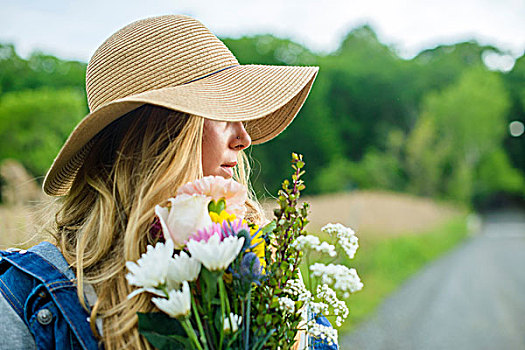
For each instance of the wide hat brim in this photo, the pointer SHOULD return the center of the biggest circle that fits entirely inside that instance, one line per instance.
(267, 98)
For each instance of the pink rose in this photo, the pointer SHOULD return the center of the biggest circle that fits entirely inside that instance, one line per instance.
(218, 187)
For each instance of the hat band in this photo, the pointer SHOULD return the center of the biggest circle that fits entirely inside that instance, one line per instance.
(212, 73)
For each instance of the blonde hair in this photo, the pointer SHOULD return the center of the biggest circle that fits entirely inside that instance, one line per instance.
(135, 163)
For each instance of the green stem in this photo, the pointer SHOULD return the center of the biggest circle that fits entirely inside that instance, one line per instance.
(191, 333)
(222, 294)
(308, 271)
(199, 323)
(247, 330)
(222, 288)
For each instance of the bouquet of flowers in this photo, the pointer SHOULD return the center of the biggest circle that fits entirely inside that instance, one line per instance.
(222, 282)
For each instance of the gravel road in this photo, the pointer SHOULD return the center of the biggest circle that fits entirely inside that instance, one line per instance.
(471, 298)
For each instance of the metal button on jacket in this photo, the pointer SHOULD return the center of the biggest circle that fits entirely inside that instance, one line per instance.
(44, 317)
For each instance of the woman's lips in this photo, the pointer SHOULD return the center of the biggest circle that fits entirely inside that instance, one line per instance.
(227, 168)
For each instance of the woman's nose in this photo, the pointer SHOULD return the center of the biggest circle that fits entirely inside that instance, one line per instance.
(241, 139)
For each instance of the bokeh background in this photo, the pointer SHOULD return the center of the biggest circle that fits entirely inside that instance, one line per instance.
(413, 132)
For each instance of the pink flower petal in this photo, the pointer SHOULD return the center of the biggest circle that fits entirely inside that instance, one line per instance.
(218, 187)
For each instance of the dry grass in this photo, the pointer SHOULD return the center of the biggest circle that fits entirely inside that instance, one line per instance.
(21, 226)
(373, 214)
(376, 213)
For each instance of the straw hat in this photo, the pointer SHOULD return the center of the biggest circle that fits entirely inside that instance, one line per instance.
(175, 62)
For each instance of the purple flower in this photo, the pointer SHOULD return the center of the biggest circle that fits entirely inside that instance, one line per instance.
(250, 269)
(232, 228)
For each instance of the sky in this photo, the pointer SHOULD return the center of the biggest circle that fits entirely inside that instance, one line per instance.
(74, 29)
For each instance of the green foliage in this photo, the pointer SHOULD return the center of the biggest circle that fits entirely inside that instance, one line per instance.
(469, 120)
(35, 123)
(442, 66)
(290, 221)
(470, 113)
(496, 174)
(372, 119)
(458, 127)
(426, 155)
(38, 70)
(515, 85)
(267, 49)
(162, 331)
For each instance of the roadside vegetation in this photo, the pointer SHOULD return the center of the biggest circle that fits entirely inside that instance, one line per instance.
(384, 264)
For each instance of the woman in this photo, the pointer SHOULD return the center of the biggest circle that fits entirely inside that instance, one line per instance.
(169, 104)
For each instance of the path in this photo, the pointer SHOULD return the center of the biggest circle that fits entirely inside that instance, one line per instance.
(472, 298)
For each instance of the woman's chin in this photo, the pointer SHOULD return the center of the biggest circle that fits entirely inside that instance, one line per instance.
(226, 172)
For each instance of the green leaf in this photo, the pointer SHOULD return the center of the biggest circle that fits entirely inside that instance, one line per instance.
(160, 323)
(166, 342)
(162, 331)
(268, 228)
(210, 281)
(217, 207)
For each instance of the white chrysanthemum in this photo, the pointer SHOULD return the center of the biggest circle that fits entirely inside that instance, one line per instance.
(345, 236)
(232, 327)
(182, 268)
(341, 277)
(286, 305)
(178, 303)
(214, 254)
(150, 271)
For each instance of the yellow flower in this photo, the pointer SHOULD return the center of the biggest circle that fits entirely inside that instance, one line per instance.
(257, 239)
(258, 242)
(223, 216)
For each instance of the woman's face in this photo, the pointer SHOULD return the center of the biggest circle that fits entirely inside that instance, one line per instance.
(221, 142)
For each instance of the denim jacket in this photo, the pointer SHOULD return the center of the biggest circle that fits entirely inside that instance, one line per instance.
(39, 306)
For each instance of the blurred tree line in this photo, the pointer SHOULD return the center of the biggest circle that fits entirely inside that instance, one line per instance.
(434, 125)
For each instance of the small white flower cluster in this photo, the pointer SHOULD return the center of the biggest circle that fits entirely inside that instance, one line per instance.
(313, 243)
(340, 309)
(345, 236)
(286, 305)
(341, 277)
(297, 288)
(323, 332)
(319, 308)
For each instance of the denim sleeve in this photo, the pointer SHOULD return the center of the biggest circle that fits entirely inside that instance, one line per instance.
(319, 344)
(13, 331)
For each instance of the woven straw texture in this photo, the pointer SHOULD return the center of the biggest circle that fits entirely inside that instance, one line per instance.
(177, 63)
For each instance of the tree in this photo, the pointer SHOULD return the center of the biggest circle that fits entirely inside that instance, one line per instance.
(470, 120)
(38, 70)
(35, 123)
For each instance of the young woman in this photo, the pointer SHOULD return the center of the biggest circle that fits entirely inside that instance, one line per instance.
(169, 103)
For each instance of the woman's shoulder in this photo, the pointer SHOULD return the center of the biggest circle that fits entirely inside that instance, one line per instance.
(39, 288)
(43, 261)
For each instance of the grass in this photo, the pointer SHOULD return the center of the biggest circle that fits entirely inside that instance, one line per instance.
(384, 263)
